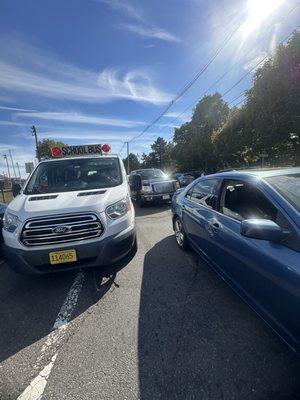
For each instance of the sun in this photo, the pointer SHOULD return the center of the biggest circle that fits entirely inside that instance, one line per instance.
(257, 12)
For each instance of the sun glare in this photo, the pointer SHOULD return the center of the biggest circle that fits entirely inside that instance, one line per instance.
(257, 12)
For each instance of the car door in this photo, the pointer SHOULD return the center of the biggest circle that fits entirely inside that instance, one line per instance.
(198, 212)
(265, 273)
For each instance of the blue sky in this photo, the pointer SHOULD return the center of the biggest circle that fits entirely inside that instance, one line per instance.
(95, 71)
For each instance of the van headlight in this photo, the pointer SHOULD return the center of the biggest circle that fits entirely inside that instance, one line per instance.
(118, 209)
(10, 222)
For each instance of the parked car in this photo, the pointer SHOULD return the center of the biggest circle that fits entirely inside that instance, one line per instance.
(74, 212)
(151, 185)
(2, 211)
(246, 224)
(184, 178)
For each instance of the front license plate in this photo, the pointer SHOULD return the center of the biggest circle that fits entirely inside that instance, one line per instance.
(166, 196)
(61, 257)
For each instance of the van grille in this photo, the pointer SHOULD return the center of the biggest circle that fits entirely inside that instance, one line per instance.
(61, 229)
(164, 187)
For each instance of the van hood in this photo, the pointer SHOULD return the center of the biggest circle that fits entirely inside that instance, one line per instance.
(30, 206)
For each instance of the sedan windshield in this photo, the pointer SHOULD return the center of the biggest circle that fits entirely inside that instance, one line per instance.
(152, 173)
(288, 186)
(70, 175)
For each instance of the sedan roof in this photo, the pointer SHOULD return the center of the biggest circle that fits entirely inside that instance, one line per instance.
(262, 173)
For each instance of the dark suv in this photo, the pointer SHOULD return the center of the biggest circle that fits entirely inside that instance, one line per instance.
(151, 185)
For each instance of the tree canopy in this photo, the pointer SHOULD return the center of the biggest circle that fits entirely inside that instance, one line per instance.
(160, 156)
(45, 145)
(218, 137)
(133, 162)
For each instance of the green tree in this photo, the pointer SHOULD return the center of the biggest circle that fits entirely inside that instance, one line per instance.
(193, 149)
(270, 120)
(133, 162)
(160, 156)
(230, 141)
(273, 103)
(45, 145)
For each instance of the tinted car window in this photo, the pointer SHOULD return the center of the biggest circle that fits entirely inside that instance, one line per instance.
(243, 201)
(288, 186)
(205, 192)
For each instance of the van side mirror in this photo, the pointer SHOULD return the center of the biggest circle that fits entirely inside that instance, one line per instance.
(136, 183)
(16, 189)
(263, 229)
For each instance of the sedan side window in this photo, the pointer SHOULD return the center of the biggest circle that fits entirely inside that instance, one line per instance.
(205, 192)
(241, 201)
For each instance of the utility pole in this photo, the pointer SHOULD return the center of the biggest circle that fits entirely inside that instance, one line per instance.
(5, 158)
(34, 133)
(17, 164)
(12, 163)
(128, 164)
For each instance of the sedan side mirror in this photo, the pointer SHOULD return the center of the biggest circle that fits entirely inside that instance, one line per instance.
(136, 183)
(263, 229)
(16, 189)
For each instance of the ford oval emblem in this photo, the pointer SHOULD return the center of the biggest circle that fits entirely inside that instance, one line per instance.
(60, 229)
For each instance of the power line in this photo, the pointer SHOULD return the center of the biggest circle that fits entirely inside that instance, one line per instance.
(237, 97)
(188, 85)
(243, 77)
(233, 66)
(123, 145)
(257, 65)
(202, 70)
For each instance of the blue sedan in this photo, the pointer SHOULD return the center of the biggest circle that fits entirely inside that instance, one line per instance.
(246, 225)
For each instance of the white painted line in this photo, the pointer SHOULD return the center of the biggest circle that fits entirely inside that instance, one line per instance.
(67, 308)
(37, 386)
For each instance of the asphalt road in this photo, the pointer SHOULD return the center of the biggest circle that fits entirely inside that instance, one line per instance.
(160, 325)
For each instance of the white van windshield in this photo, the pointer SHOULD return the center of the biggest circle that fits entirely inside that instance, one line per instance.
(70, 175)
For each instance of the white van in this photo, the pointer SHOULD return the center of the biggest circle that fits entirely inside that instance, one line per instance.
(74, 212)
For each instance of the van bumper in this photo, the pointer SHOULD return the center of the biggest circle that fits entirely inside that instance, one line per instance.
(102, 252)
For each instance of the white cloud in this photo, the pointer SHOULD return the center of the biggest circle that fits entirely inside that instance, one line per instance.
(20, 155)
(256, 59)
(13, 123)
(150, 32)
(14, 109)
(174, 114)
(124, 7)
(86, 134)
(73, 136)
(5, 147)
(76, 118)
(24, 68)
(143, 28)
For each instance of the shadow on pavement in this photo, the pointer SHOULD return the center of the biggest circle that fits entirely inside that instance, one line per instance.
(29, 305)
(150, 209)
(198, 340)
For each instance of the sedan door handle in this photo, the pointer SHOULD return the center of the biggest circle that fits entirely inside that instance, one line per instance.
(215, 224)
(183, 207)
